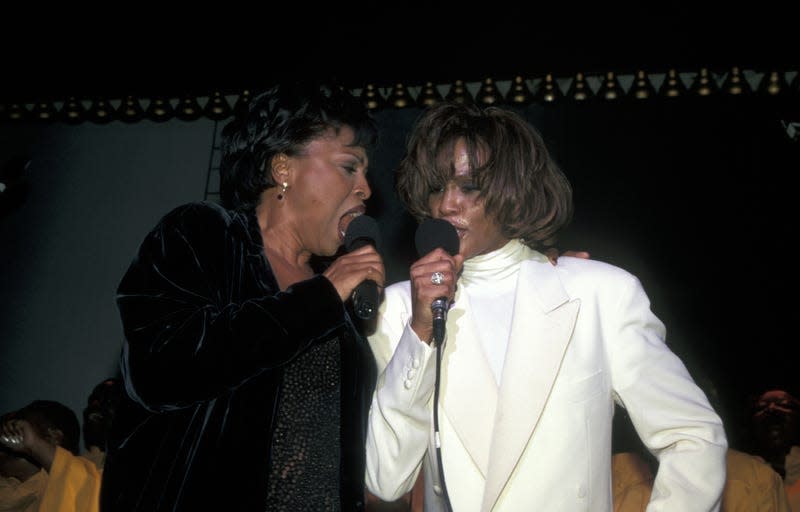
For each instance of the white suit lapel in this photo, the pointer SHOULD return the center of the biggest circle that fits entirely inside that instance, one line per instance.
(468, 384)
(542, 324)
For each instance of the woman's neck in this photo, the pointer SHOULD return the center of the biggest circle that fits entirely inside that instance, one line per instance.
(282, 247)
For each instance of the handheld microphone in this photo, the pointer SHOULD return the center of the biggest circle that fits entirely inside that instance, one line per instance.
(433, 233)
(363, 230)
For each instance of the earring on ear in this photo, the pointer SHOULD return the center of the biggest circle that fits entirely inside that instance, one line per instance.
(284, 186)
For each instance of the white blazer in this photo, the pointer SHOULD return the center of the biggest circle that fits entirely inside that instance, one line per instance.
(582, 337)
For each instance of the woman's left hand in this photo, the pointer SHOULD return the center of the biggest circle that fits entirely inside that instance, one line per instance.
(553, 255)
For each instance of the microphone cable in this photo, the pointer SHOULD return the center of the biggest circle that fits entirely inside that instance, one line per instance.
(436, 439)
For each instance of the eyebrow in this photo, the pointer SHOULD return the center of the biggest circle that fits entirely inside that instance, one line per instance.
(359, 158)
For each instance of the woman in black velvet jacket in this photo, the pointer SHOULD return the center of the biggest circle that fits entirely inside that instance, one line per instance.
(249, 383)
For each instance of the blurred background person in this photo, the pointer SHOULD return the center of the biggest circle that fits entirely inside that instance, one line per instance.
(775, 435)
(97, 416)
(39, 464)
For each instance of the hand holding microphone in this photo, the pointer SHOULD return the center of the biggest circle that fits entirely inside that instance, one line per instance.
(433, 278)
(362, 232)
(358, 274)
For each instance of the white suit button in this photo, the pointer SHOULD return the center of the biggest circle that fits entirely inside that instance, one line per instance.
(581, 491)
(437, 490)
(407, 384)
(411, 373)
(415, 363)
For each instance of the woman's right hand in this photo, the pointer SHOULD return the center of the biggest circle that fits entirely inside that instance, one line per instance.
(424, 291)
(350, 269)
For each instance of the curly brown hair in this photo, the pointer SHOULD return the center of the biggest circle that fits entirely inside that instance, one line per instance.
(521, 186)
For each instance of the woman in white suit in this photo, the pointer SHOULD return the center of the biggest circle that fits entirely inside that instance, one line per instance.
(535, 355)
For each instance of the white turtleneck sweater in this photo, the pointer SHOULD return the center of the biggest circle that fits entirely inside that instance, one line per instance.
(490, 280)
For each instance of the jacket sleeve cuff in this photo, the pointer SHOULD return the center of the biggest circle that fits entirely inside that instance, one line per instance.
(411, 373)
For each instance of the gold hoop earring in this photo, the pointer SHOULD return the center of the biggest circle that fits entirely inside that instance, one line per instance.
(284, 186)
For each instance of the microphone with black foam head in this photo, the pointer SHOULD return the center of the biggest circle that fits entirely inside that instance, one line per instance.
(363, 230)
(432, 234)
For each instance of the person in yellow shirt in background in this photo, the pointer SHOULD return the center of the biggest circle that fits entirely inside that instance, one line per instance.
(100, 408)
(751, 484)
(40, 468)
(775, 424)
(633, 469)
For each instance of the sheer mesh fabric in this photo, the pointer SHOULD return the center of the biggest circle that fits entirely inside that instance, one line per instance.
(304, 471)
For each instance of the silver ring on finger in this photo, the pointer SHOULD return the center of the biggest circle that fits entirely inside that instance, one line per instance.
(437, 278)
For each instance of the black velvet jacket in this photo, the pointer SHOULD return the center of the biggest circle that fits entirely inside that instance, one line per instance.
(207, 335)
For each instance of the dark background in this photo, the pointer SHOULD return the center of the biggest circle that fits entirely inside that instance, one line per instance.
(171, 51)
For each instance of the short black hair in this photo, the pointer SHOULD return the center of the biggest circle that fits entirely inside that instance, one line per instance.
(284, 119)
(47, 414)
